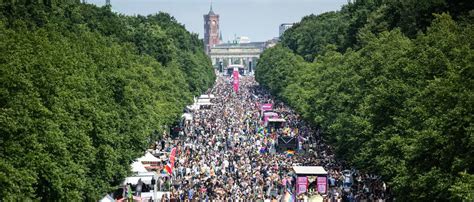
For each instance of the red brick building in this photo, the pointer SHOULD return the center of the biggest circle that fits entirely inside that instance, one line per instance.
(211, 30)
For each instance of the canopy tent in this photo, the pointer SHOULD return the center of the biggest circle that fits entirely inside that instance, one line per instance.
(135, 198)
(270, 114)
(266, 107)
(137, 167)
(134, 180)
(193, 107)
(107, 198)
(309, 170)
(148, 159)
(204, 102)
(187, 116)
(159, 194)
(145, 177)
(206, 96)
(276, 120)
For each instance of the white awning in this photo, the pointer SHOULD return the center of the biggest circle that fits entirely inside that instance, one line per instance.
(134, 180)
(187, 116)
(309, 170)
(147, 174)
(270, 114)
(107, 198)
(148, 158)
(206, 96)
(276, 120)
(204, 102)
(137, 167)
(193, 107)
(146, 178)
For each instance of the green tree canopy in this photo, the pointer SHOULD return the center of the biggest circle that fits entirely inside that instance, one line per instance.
(395, 102)
(84, 91)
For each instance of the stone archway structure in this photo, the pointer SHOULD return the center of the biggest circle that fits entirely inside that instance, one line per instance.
(233, 53)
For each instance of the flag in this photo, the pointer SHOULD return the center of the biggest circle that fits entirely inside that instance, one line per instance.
(129, 192)
(172, 157)
(289, 197)
(290, 153)
(168, 169)
(236, 81)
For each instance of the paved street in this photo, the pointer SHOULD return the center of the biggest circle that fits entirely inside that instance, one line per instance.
(228, 154)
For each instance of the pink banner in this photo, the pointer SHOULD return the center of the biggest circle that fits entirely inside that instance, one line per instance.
(236, 80)
(322, 184)
(172, 157)
(267, 116)
(302, 180)
(267, 107)
(301, 189)
(301, 185)
(265, 119)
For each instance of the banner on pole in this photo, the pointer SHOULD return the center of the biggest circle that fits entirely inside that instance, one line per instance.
(172, 156)
(236, 80)
(267, 107)
(302, 185)
(322, 184)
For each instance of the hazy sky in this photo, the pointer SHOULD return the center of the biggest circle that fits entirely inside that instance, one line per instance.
(257, 19)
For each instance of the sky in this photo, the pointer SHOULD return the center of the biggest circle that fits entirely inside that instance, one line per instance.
(257, 19)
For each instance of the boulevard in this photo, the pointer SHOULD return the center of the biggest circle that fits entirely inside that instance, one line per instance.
(226, 153)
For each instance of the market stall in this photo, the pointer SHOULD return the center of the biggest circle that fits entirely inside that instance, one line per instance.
(306, 175)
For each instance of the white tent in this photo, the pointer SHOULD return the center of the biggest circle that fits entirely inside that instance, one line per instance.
(134, 180)
(204, 102)
(187, 116)
(137, 167)
(193, 107)
(270, 114)
(205, 96)
(309, 170)
(107, 198)
(148, 159)
(145, 177)
(276, 120)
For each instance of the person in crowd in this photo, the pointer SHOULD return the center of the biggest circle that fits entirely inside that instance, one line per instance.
(229, 153)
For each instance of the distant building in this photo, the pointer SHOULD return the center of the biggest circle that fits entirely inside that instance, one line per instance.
(246, 54)
(271, 43)
(243, 39)
(284, 27)
(212, 36)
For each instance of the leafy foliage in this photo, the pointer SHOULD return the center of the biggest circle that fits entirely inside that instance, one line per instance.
(395, 101)
(83, 92)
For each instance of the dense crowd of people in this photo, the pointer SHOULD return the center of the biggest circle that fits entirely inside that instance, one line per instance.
(227, 153)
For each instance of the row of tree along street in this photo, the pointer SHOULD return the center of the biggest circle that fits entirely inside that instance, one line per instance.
(83, 91)
(390, 84)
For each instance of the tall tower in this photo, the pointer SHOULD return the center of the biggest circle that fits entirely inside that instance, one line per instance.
(211, 30)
